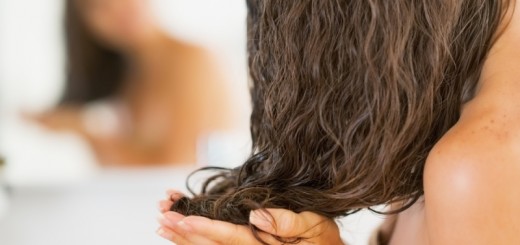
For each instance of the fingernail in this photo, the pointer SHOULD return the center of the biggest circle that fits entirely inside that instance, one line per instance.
(260, 219)
(164, 234)
(173, 195)
(161, 207)
(166, 222)
(185, 226)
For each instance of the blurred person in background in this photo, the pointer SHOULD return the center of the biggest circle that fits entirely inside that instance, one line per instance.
(136, 94)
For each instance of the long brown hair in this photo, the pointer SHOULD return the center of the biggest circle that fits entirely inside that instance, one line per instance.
(349, 97)
(94, 71)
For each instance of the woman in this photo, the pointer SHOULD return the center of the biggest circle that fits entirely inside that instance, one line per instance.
(136, 94)
(412, 104)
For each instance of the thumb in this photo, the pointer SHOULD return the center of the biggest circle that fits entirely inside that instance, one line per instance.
(284, 223)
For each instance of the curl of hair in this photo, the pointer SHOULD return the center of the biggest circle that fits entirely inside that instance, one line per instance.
(348, 99)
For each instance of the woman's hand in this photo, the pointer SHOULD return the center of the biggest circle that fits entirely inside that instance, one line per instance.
(59, 119)
(194, 230)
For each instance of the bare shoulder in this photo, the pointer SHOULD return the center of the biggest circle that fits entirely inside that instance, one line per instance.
(472, 180)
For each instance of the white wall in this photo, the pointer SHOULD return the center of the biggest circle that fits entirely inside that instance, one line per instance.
(30, 53)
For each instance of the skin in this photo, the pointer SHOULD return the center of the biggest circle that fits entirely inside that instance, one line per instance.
(470, 175)
(171, 103)
(199, 230)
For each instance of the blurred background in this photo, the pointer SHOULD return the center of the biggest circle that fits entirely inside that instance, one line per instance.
(105, 104)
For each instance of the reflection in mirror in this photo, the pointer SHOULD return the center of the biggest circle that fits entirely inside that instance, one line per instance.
(135, 93)
(105, 104)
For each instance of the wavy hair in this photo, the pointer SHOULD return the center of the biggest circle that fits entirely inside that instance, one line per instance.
(349, 97)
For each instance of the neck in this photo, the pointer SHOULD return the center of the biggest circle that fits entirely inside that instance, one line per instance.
(503, 62)
(147, 59)
(500, 78)
(501, 74)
